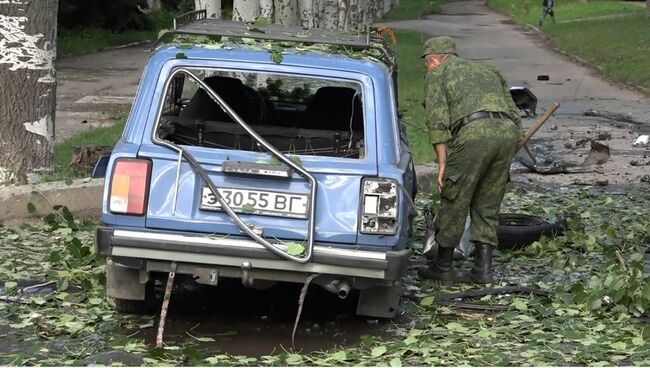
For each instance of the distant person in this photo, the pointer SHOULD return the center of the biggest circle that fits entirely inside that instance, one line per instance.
(547, 8)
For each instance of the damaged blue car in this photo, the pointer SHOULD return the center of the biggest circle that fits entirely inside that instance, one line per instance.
(242, 159)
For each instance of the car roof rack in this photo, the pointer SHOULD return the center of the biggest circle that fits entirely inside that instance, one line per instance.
(197, 23)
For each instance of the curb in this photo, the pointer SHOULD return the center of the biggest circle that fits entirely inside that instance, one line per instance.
(83, 197)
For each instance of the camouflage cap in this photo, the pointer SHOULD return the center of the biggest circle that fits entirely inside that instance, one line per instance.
(439, 45)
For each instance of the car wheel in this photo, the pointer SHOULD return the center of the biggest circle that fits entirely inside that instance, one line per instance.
(518, 230)
(146, 306)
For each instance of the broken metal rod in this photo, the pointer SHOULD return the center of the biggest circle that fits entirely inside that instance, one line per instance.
(538, 124)
(165, 305)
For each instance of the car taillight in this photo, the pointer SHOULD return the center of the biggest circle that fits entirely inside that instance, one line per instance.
(378, 214)
(129, 186)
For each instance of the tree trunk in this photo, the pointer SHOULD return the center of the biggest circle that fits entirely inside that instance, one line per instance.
(286, 12)
(212, 7)
(647, 8)
(245, 10)
(329, 14)
(306, 13)
(28, 93)
(266, 9)
(154, 4)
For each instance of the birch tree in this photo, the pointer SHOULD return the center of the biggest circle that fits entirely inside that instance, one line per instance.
(28, 93)
(267, 9)
(245, 10)
(286, 12)
(212, 7)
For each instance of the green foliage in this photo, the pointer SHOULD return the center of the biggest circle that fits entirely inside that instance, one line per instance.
(595, 273)
(93, 137)
(114, 15)
(411, 94)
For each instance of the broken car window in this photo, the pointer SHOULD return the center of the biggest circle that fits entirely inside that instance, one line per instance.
(296, 114)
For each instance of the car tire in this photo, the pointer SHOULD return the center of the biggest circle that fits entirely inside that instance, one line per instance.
(518, 230)
(146, 306)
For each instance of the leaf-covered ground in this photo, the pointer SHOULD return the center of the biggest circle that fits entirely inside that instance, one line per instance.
(596, 314)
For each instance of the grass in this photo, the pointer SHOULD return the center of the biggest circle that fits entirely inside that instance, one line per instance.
(528, 11)
(94, 137)
(628, 46)
(411, 93)
(627, 39)
(411, 9)
(73, 42)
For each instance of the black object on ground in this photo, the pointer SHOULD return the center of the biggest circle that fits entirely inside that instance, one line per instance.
(543, 77)
(518, 230)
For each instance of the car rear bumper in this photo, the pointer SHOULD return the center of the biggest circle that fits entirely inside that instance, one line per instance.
(153, 250)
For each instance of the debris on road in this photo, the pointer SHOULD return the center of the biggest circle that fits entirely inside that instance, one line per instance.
(614, 116)
(642, 140)
(645, 178)
(598, 155)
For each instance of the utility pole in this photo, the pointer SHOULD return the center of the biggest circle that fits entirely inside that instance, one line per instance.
(28, 93)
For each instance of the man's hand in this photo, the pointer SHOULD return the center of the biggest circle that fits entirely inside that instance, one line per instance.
(441, 152)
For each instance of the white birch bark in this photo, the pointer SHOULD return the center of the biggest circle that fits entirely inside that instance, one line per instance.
(286, 12)
(154, 4)
(388, 5)
(329, 14)
(344, 10)
(245, 10)
(306, 13)
(212, 7)
(266, 9)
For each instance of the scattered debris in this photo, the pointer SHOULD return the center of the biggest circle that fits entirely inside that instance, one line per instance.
(645, 178)
(87, 156)
(543, 77)
(637, 163)
(642, 140)
(553, 127)
(598, 155)
(602, 183)
(614, 116)
(603, 135)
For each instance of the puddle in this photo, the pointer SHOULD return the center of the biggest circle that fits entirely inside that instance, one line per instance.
(259, 322)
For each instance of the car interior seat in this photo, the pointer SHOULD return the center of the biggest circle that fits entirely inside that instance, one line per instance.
(246, 102)
(334, 108)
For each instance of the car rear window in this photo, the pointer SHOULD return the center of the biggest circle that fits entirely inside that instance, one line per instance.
(296, 114)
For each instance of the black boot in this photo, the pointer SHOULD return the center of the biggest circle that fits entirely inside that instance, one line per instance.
(481, 272)
(441, 268)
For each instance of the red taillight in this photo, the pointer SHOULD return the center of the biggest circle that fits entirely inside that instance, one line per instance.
(129, 186)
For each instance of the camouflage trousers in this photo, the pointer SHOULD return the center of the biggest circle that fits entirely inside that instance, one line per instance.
(478, 163)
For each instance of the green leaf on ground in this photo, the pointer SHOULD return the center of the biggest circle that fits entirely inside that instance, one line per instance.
(378, 351)
(31, 208)
(295, 249)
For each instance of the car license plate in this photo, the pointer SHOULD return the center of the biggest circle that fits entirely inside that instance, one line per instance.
(257, 202)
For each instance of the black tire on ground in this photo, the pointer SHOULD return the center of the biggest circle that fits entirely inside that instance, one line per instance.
(517, 230)
(146, 306)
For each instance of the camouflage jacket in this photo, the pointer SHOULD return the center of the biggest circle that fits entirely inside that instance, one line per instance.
(460, 87)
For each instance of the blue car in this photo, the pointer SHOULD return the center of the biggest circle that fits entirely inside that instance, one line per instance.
(264, 154)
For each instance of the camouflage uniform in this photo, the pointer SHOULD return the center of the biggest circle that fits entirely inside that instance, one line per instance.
(479, 152)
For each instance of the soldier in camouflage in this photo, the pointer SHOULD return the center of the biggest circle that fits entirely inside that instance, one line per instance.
(474, 126)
